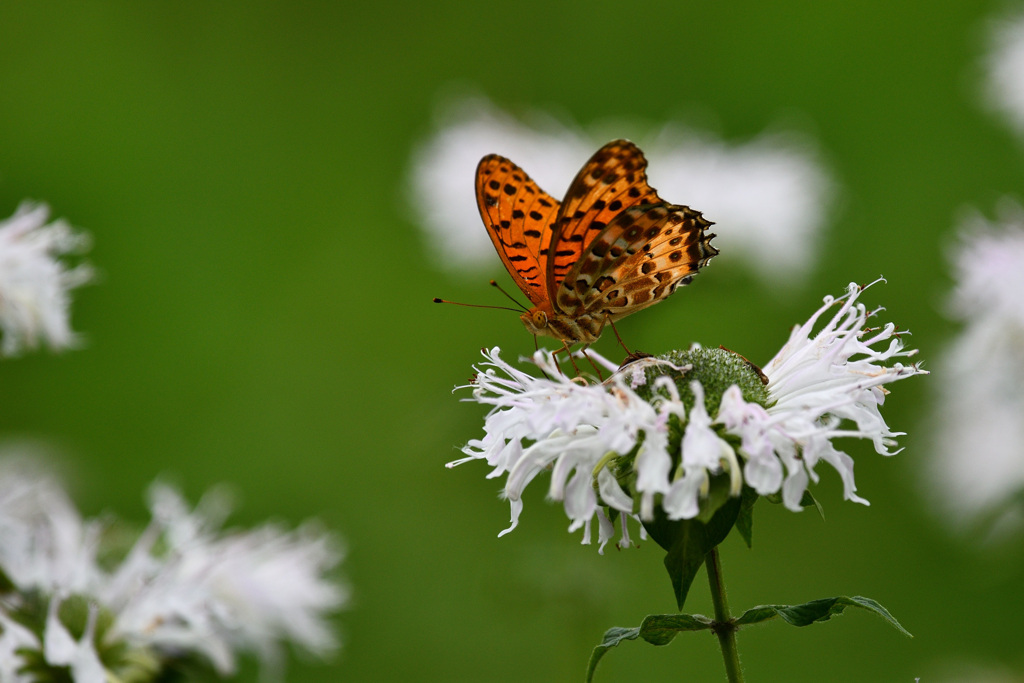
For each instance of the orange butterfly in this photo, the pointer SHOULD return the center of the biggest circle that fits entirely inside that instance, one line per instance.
(611, 248)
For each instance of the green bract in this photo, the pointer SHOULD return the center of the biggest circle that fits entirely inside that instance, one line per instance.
(715, 369)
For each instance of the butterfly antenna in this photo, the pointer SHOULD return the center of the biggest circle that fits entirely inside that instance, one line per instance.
(510, 297)
(457, 303)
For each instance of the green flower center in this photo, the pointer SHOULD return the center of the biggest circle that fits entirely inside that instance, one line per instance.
(715, 369)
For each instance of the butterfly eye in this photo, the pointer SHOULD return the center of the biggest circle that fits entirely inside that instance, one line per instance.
(540, 319)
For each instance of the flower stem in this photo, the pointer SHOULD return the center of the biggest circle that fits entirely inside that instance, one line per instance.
(723, 628)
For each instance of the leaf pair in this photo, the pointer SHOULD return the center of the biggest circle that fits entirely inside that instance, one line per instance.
(661, 629)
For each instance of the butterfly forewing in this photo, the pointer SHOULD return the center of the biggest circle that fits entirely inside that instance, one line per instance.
(612, 180)
(639, 259)
(519, 216)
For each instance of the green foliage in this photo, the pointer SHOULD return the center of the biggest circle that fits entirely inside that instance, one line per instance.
(688, 541)
(656, 629)
(807, 500)
(745, 519)
(816, 610)
(661, 629)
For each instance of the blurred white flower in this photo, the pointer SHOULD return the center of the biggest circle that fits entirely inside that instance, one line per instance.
(1004, 67)
(218, 593)
(946, 671)
(978, 433)
(13, 638)
(61, 649)
(44, 543)
(34, 285)
(185, 588)
(768, 197)
(822, 385)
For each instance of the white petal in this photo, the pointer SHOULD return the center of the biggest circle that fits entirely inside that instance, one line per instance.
(34, 284)
(58, 645)
(683, 498)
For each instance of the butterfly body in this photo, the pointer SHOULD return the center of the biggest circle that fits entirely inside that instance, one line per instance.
(611, 248)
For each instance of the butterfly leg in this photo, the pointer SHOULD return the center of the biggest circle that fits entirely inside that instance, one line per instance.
(630, 355)
(608, 318)
(565, 347)
(583, 352)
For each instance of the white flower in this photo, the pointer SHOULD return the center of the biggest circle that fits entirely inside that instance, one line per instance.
(61, 649)
(218, 592)
(978, 434)
(34, 284)
(822, 381)
(1004, 66)
(44, 543)
(13, 638)
(185, 587)
(771, 193)
(822, 385)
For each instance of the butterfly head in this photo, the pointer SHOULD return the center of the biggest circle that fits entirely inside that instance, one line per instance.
(544, 321)
(536, 321)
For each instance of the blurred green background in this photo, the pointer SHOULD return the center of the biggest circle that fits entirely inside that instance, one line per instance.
(263, 314)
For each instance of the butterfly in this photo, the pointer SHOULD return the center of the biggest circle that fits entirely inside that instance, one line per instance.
(610, 248)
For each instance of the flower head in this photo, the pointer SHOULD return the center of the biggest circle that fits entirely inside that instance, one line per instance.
(1004, 67)
(662, 431)
(45, 545)
(978, 464)
(217, 593)
(186, 588)
(34, 284)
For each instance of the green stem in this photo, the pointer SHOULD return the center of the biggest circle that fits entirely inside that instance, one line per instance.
(723, 628)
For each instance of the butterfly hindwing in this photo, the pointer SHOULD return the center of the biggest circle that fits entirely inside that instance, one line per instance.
(614, 179)
(640, 258)
(518, 215)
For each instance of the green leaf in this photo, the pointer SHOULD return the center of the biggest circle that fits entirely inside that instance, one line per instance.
(816, 610)
(723, 522)
(745, 519)
(660, 629)
(685, 557)
(688, 541)
(808, 499)
(719, 493)
(612, 637)
(656, 629)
